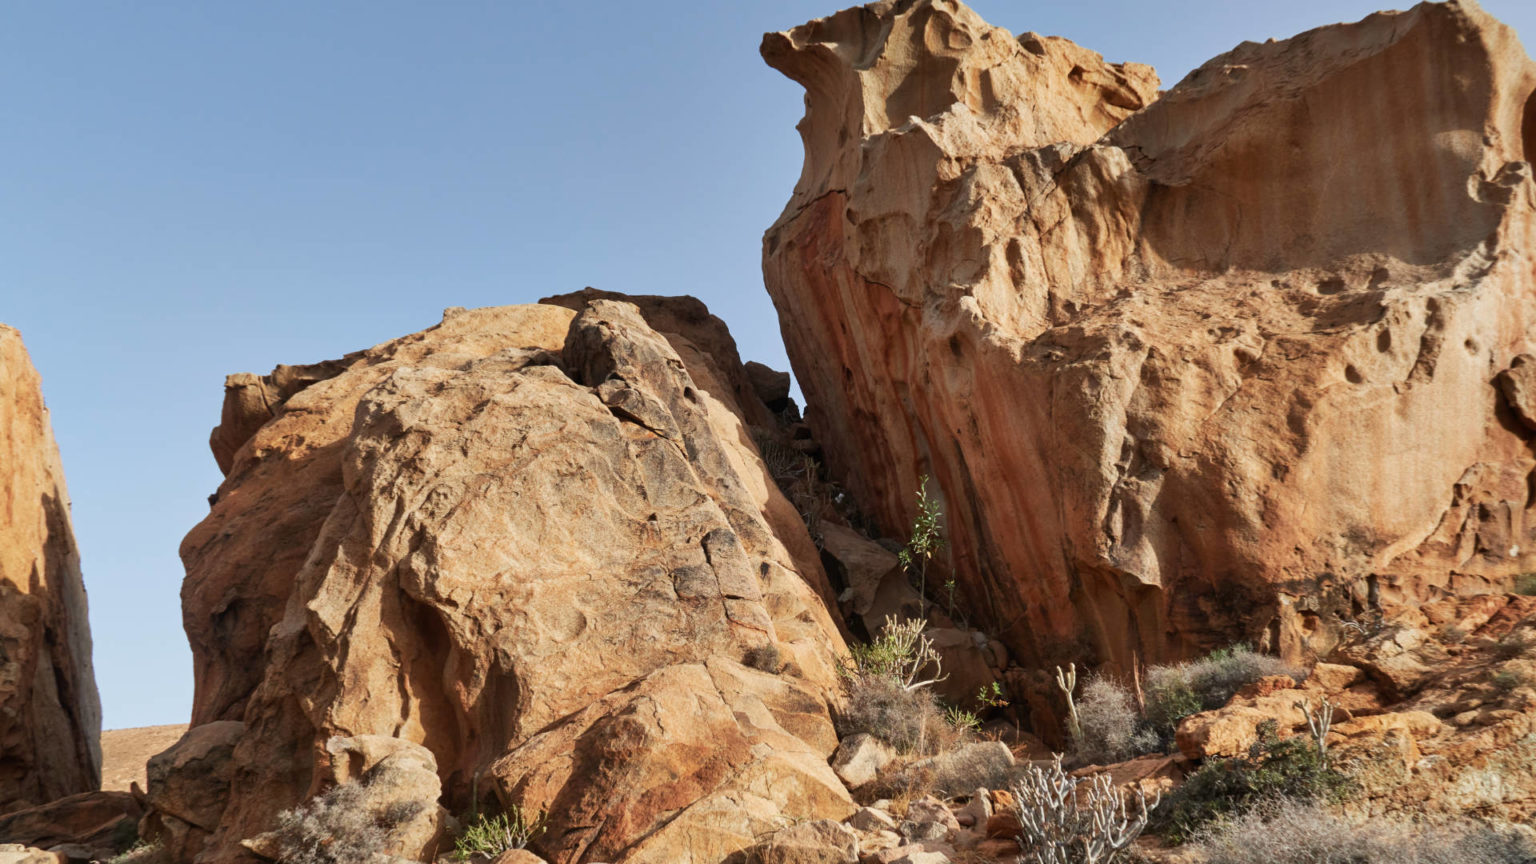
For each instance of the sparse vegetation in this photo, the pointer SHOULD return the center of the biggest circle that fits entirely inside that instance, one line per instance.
(901, 653)
(339, 827)
(889, 689)
(1506, 681)
(1109, 729)
(1274, 769)
(1061, 823)
(1525, 584)
(1066, 682)
(991, 696)
(1319, 723)
(765, 657)
(927, 538)
(1177, 691)
(492, 835)
(908, 720)
(1293, 832)
(961, 719)
(1514, 644)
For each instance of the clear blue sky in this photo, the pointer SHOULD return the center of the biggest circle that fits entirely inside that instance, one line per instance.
(191, 188)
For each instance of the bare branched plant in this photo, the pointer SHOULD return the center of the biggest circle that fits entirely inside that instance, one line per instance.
(901, 652)
(1318, 724)
(1074, 820)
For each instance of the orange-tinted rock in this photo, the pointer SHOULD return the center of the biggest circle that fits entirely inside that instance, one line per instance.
(523, 539)
(1267, 685)
(101, 823)
(50, 715)
(1185, 372)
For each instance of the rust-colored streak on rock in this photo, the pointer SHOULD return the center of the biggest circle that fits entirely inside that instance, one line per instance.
(50, 715)
(527, 525)
(1217, 366)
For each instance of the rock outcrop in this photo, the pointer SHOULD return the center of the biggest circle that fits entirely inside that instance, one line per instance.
(1222, 364)
(50, 715)
(537, 541)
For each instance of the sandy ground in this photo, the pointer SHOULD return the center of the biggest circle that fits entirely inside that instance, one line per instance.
(125, 751)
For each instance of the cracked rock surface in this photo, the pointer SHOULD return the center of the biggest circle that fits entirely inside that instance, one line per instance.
(535, 540)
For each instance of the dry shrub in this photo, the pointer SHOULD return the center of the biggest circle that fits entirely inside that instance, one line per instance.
(339, 828)
(1292, 832)
(908, 720)
(765, 657)
(1109, 729)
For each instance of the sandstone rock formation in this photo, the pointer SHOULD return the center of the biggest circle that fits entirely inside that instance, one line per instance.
(1218, 366)
(537, 541)
(50, 716)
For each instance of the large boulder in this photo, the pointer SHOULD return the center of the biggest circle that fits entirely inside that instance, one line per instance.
(536, 541)
(1213, 367)
(50, 715)
(187, 786)
(391, 784)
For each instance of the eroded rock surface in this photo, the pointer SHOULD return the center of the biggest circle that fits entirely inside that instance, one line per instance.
(536, 541)
(1213, 367)
(50, 715)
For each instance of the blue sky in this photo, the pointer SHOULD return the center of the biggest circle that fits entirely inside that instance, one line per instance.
(191, 189)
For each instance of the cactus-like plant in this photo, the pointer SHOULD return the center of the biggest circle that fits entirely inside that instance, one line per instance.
(1318, 724)
(1074, 820)
(901, 652)
(1067, 681)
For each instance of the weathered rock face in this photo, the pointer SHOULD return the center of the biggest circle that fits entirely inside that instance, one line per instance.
(1221, 365)
(536, 541)
(50, 716)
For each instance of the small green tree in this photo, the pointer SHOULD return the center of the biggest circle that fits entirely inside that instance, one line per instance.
(927, 538)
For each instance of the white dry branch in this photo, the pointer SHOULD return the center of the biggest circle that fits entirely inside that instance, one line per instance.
(1074, 820)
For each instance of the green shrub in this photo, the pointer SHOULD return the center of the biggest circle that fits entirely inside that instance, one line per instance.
(961, 719)
(1273, 770)
(1525, 584)
(1177, 691)
(492, 835)
(1109, 729)
(927, 538)
(1504, 682)
(1291, 832)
